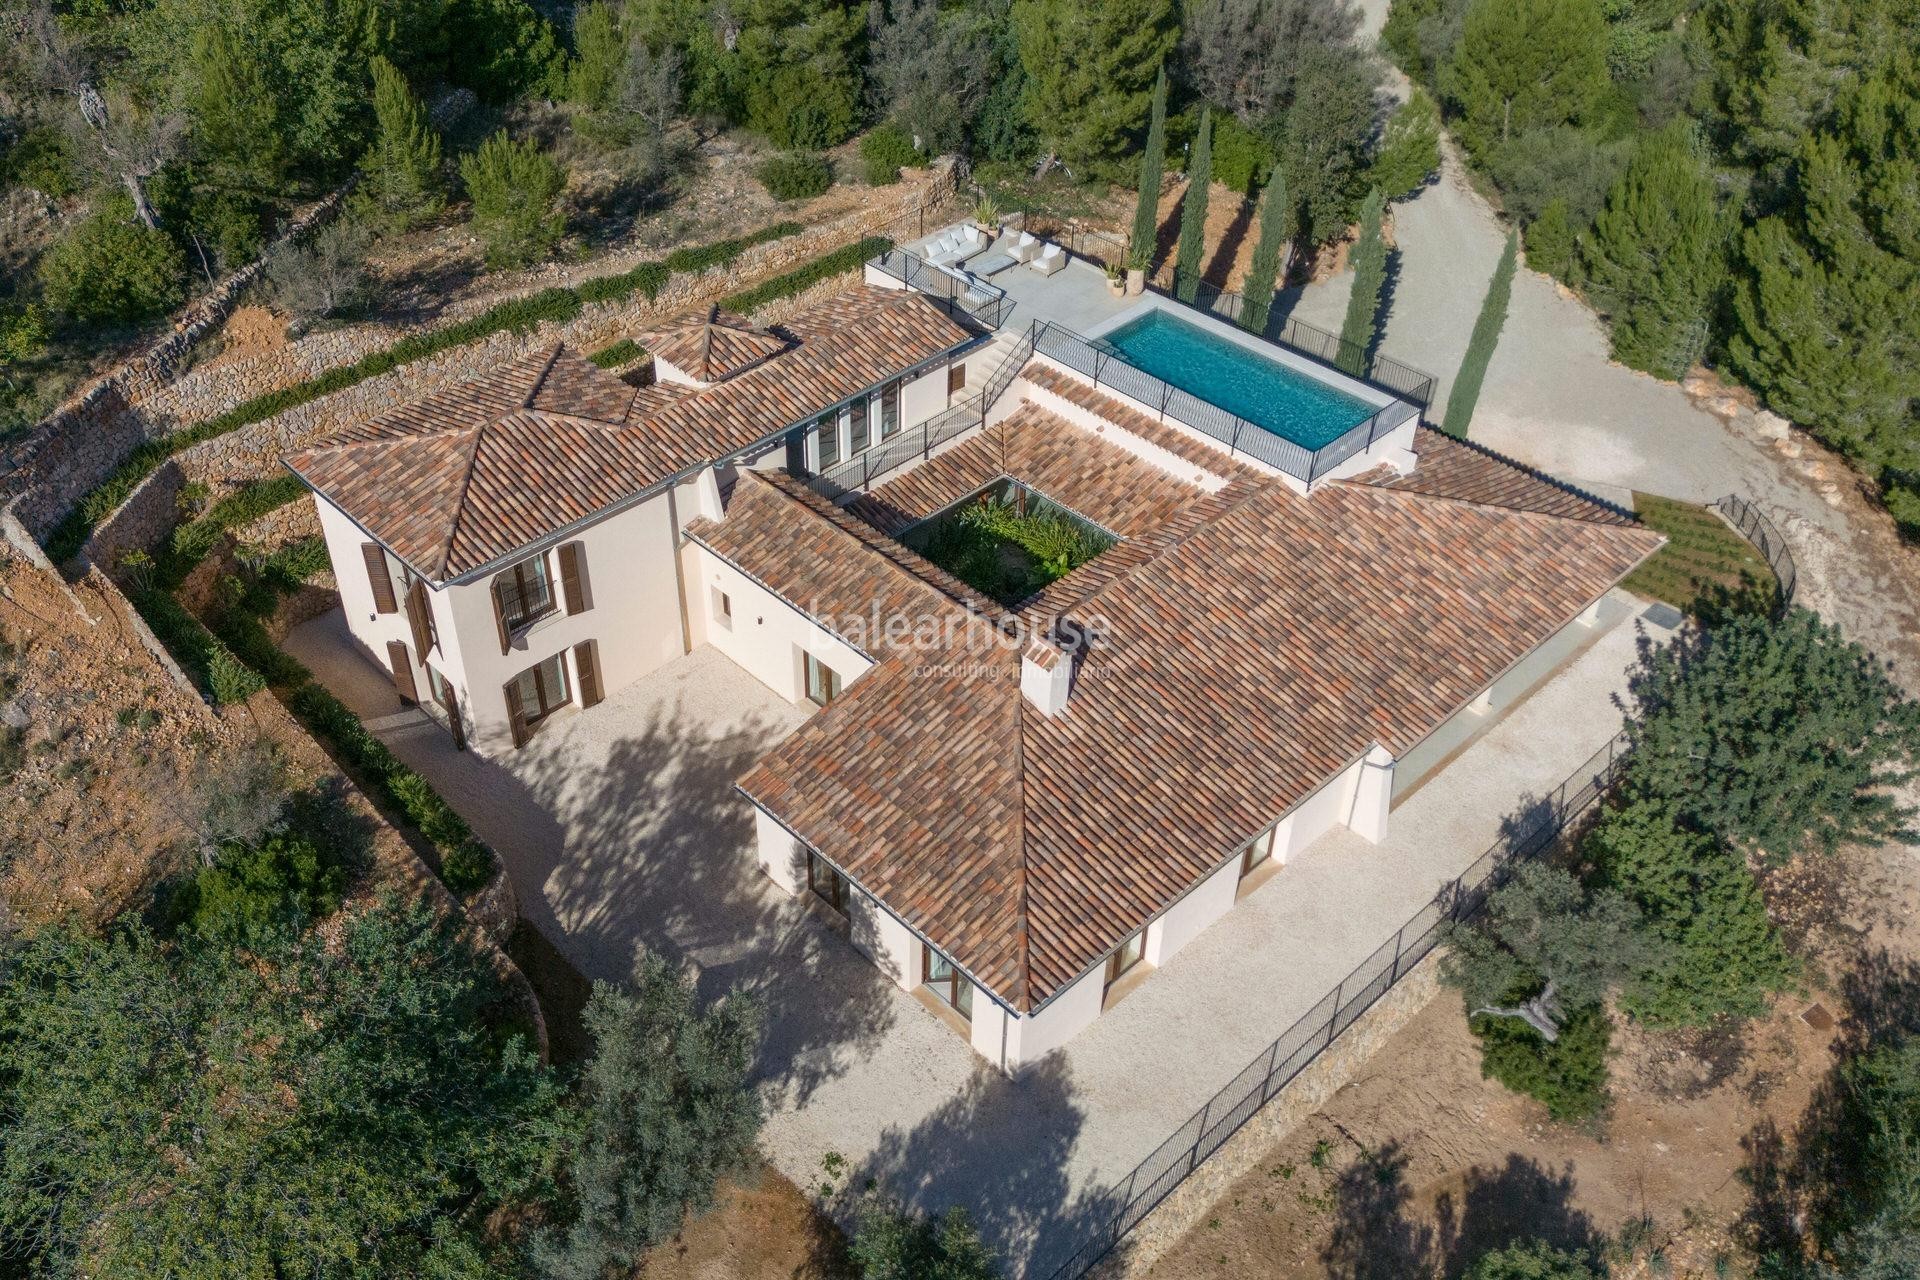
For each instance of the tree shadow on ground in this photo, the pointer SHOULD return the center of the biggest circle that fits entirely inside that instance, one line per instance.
(1219, 268)
(1379, 1234)
(1383, 308)
(1001, 1148)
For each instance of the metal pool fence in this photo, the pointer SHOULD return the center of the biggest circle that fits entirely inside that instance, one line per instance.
(1766, 539)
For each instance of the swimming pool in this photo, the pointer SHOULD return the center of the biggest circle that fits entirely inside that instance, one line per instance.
(1291, 404)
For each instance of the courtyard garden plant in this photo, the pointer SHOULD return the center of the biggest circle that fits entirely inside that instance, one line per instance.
(1010, 546)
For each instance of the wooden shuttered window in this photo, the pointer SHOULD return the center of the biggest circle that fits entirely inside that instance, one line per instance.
(420, 617)
(586, 660)
(378, 578)
(500, 617)
(402, 665)
(516, 714)
(573, 578)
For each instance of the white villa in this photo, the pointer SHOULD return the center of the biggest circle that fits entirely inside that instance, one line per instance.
(1018, 804)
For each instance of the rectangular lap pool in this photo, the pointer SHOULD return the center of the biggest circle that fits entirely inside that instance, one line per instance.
(1290, 403)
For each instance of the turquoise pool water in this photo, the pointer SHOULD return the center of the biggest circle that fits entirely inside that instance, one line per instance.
(1293, 405)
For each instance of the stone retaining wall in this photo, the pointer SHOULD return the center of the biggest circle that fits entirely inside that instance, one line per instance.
(1192, 1201)
(73, 451)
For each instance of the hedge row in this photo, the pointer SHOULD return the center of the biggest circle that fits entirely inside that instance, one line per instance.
(802, 278)
(518, 316)
(622, 352)
(236, 658)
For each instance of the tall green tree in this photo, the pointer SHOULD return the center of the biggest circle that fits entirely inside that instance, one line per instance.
(1090, 65)
(1153, 159)
(402, 182)
(320, 1106)
(1525, 64)
(1465, 392)
(515, 189)
(1776, 735)
(1716, 954)
(1269, 261)
(1193, 212)
(894, 1243)
(233, 109)
(668, 1108)
(1323, 140)
(599, 54)
(1409, 153)
(1656, 257)
(1369, 261)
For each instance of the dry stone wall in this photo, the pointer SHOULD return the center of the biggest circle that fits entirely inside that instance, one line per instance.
(254, 451)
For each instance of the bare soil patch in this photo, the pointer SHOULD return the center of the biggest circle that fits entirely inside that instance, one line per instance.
(761, 1227)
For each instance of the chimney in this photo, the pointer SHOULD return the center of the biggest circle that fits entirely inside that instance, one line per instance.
(1046, 676)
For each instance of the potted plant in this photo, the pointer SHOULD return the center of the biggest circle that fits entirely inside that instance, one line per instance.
(1138, 256)
(1116, 284)
(986, 214)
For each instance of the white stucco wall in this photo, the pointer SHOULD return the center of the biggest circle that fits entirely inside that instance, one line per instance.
(767, 635)
(780, 855)
(1185, 919)
(883, 939)
(1070, 1012)
(371, 629)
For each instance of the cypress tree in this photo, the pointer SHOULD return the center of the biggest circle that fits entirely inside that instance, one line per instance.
(1369, 278)
(1486, 336)
(1269, 255)
(1193, 212)
(1146, 213)
(1657, 256)
(402, 167)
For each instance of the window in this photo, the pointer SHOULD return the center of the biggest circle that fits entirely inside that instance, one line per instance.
(889, 409)
(947, 982)
(829, 451)
(524, 592)
(827, 884)
(1259, 853)
(823, 682)
(857, 435)
(1130, 954)
(723, 609)
(956, 379)
(542, 688)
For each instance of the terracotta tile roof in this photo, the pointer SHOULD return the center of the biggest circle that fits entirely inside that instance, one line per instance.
(1067, 463)
(713, 347)
(1256, 643)
(1453, 468)
(463, 478)
(1204, 456)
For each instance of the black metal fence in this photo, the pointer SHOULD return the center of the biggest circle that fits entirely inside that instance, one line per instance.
(1208, 1128)
(1328, 348)
(1108, 369)
(1766, 539)
(982, 302)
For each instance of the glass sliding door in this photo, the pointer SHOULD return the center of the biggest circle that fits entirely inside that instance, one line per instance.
(828, 450)
(889, 399)
(947, 982)
(543, 688)
(857, 436)
(823, 682)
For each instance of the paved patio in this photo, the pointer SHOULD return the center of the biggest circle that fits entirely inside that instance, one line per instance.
(1075, 296)
(621, 831)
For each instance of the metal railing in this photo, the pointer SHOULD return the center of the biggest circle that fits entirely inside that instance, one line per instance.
(1209, 1128)
(982, 302)
(1108, 369)
(1330, 349)
(1766, 539)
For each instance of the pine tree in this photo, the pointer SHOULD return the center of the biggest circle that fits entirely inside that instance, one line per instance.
(1409, 151)
(1369, 278)
(515, 190)
(1776, 735)
(1146, 211)
(1551, 245)
(1525, 64)
(1656, 256)
(233, 109)
(1716, 954)
(1269, 255)
(1086, 75)
(1465, 393)
(1193, 212)
(402, 167)
(600, 54)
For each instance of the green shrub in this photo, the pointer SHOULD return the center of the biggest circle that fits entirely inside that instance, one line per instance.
(1242, 159)
(230, 679)
(795, 176)
(251, 895)
(798, 106)
(1551, 244)
(622, 352)
(1530, 1260)
(502, 49)
(886, 151)
(296, 563)
(1569, 1075)
(848, 258)
(112, 270)
(515, 189)
(41, 158)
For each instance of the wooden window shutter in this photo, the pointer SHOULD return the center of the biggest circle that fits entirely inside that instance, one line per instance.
(443, 689)
(419, 618)
(573, 578)
(586, 660)
(516, 714)
(500, 617)
(402, 672)
(378, 578)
